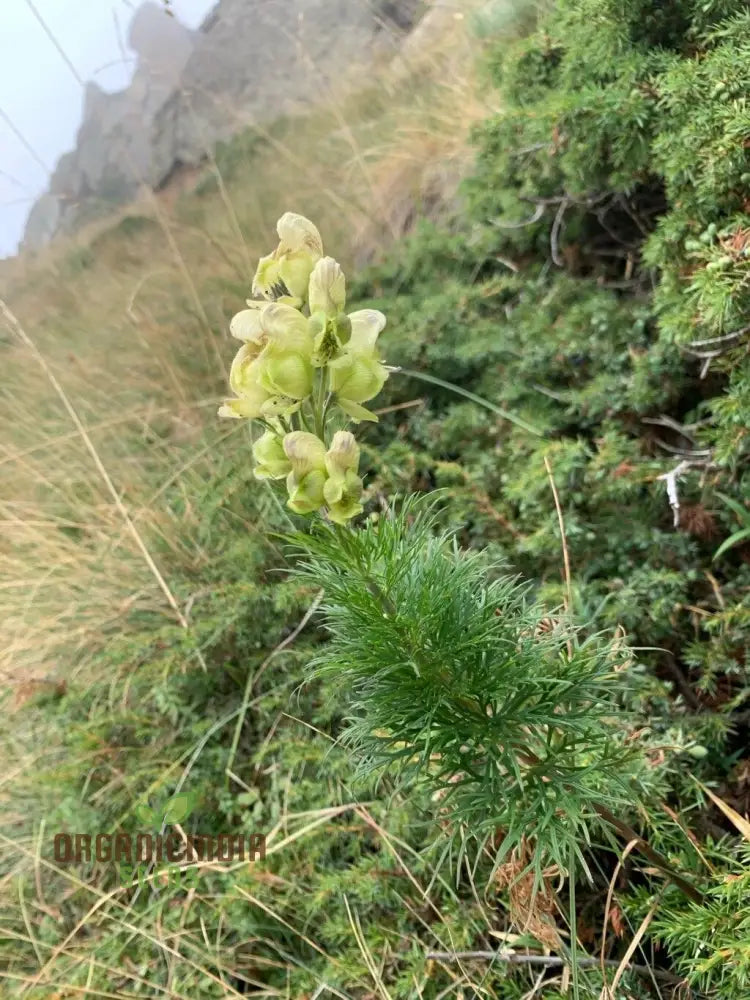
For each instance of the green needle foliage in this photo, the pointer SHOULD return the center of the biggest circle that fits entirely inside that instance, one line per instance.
(459, 676)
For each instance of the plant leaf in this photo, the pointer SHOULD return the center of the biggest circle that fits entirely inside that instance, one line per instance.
(739, 509)
(728, 543)
(739, 822)
(179, 807)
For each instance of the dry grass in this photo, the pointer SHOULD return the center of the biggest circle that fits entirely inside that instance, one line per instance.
(130, 319)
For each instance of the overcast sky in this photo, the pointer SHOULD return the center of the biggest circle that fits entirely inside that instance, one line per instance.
(40, 97)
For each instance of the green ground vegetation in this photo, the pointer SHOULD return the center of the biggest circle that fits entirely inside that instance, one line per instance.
(579, 317)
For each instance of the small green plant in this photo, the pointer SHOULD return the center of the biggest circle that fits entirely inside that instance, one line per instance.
(172, 810)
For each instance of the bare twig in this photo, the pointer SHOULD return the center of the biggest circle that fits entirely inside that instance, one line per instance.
(683, 452)
(672, 424)
(548, 961)
(725, 339)
(561, 522)
(554, 235)
(538, 213)
(671, 477)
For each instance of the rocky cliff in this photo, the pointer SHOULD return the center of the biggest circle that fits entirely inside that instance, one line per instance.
(250, 61)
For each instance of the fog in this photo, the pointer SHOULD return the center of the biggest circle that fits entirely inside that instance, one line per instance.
(48, 48)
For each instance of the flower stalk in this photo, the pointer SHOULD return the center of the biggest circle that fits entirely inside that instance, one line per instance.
(304, 371)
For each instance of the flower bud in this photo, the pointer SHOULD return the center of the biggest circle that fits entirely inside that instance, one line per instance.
(327, 292)
(269, 453)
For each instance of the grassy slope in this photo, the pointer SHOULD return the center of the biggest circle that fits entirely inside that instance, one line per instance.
(136, 630)
(357, 899)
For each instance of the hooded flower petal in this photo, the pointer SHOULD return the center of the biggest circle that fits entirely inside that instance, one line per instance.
(306, 452)
(298, 233)
(286, 328)
(367, 325)
(343, 453)
(285, 273)
(243, 375)
(245, 325)
(327, 292)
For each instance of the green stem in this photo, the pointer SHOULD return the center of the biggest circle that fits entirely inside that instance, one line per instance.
(318, 405)
(480, 400)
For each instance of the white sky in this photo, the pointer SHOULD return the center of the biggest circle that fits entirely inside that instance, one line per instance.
(40, 97)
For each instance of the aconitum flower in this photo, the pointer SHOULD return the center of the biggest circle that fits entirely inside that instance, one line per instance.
(271, 459)
(343, 488)
(273, 370)
(358, 375)
(305, 483)
(304, 368)
(284, 275)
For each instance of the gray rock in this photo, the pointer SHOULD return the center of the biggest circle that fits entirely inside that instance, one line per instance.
(250, 62)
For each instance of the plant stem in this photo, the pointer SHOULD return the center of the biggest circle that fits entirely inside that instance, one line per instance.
(655, 857)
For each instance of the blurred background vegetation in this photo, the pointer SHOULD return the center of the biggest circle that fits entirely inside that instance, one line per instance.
(552, 208)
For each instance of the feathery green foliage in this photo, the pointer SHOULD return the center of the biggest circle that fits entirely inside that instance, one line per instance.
(514, 717)
(594, 285)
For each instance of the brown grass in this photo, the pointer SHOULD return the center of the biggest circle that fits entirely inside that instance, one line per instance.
(130, 319)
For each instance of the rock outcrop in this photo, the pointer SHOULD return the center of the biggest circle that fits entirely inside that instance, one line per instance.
(249, 62)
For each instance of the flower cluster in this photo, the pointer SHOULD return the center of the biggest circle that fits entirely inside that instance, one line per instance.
(305, 369)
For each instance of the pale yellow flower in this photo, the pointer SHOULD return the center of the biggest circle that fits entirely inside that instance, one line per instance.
(343, 488)
(327, 289)
(358, 375)
(272, 461)
(307, 455)
(285, 273)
